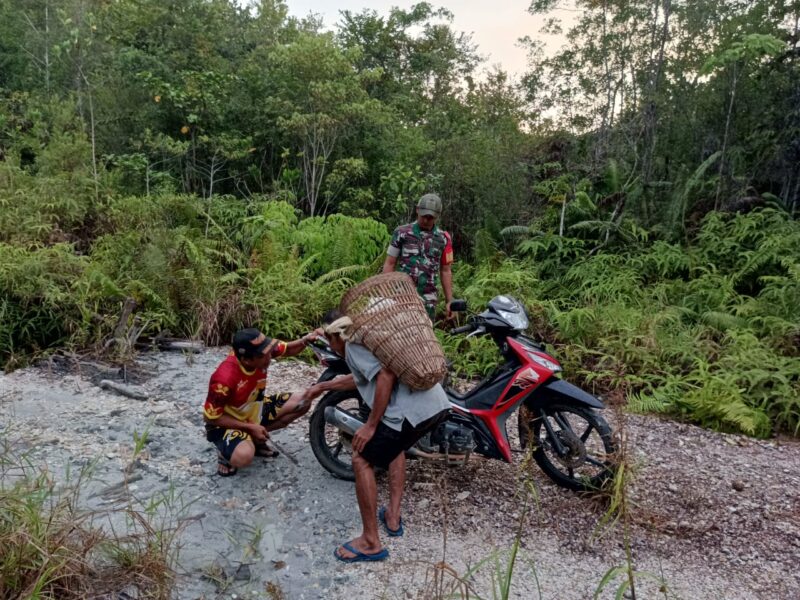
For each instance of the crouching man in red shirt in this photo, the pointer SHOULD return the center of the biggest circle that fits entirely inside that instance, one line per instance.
(238, 415)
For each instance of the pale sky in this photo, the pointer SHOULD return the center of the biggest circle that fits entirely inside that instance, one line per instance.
(495, 25)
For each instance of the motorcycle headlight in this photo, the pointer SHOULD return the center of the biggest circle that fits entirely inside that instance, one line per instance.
(544, 362)
(518, 320)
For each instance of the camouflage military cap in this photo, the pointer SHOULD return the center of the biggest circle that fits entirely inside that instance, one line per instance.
(430, 204)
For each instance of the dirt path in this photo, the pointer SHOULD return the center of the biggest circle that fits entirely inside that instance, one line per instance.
(716, 516)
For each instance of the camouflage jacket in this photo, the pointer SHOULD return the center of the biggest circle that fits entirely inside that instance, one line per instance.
(421, 254)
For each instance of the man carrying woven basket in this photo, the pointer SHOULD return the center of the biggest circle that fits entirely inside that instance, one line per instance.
(398, 418)
(424, 252)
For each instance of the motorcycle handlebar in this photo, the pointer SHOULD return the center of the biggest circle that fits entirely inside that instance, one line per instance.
(465, 329)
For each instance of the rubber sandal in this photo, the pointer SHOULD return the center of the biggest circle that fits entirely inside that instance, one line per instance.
(264, 451)
(391, 532)
(360, 556)
(223, 462)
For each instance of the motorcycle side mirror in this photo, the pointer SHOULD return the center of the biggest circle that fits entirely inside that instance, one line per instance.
(458, 305)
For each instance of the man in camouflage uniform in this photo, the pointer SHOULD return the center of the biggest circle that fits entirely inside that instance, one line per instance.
(425, 252)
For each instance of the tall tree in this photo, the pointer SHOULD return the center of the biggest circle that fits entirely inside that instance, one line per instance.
(317, 100)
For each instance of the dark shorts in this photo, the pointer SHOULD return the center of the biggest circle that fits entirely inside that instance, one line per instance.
(226, 440)
(388, 443)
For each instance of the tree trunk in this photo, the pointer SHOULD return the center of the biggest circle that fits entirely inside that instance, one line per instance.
(47, 47)
(93, 138)
(121, 329)
(318, 143)
(651, 107)
(725, 136)
(602, 146)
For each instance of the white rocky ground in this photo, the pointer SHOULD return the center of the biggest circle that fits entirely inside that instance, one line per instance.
(716, 516)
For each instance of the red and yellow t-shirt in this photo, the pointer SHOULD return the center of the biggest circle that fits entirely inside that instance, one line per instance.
(235, 391)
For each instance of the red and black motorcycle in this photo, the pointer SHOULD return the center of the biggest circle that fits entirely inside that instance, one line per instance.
(572, 442)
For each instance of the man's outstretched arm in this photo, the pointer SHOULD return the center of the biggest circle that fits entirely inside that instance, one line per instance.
(339, 384)
(296, 347)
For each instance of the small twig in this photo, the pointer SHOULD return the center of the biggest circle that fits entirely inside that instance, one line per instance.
(283, 450)
(125, 390)
(198, 517)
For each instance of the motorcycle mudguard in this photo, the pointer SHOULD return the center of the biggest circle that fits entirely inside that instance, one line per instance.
(558, 390)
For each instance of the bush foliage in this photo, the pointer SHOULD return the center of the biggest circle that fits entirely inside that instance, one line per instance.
(248, 173)
(186, 277)
(708, 330)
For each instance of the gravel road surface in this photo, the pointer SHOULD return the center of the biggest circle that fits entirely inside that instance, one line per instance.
(713, 515)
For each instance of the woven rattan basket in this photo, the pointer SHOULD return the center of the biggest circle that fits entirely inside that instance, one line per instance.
(389, 318)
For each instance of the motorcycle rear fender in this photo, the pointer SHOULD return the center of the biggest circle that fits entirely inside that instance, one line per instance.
(558, 390)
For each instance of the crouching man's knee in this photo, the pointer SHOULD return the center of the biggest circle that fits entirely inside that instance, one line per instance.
(243, 454)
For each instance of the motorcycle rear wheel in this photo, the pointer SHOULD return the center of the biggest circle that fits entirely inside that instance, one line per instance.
(589, 462)
(330, 445)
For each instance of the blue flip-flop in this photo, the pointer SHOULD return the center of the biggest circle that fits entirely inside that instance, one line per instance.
(391, 532)
(360, 556)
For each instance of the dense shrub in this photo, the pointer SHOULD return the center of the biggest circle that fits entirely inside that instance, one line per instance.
(197, 268)
(39, 306)
(707, 331)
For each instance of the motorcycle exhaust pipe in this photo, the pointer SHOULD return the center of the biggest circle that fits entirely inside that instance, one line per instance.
(342, 420)
(456, 459)
(349, 424)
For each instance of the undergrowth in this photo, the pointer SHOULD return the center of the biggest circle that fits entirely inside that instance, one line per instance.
(707, 329)
(55, 548)
(193, 271)
(708, 332)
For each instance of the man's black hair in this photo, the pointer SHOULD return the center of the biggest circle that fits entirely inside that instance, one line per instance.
(330, 316)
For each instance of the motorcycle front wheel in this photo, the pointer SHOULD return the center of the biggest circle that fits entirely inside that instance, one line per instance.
(586, 462)
(330, 445)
